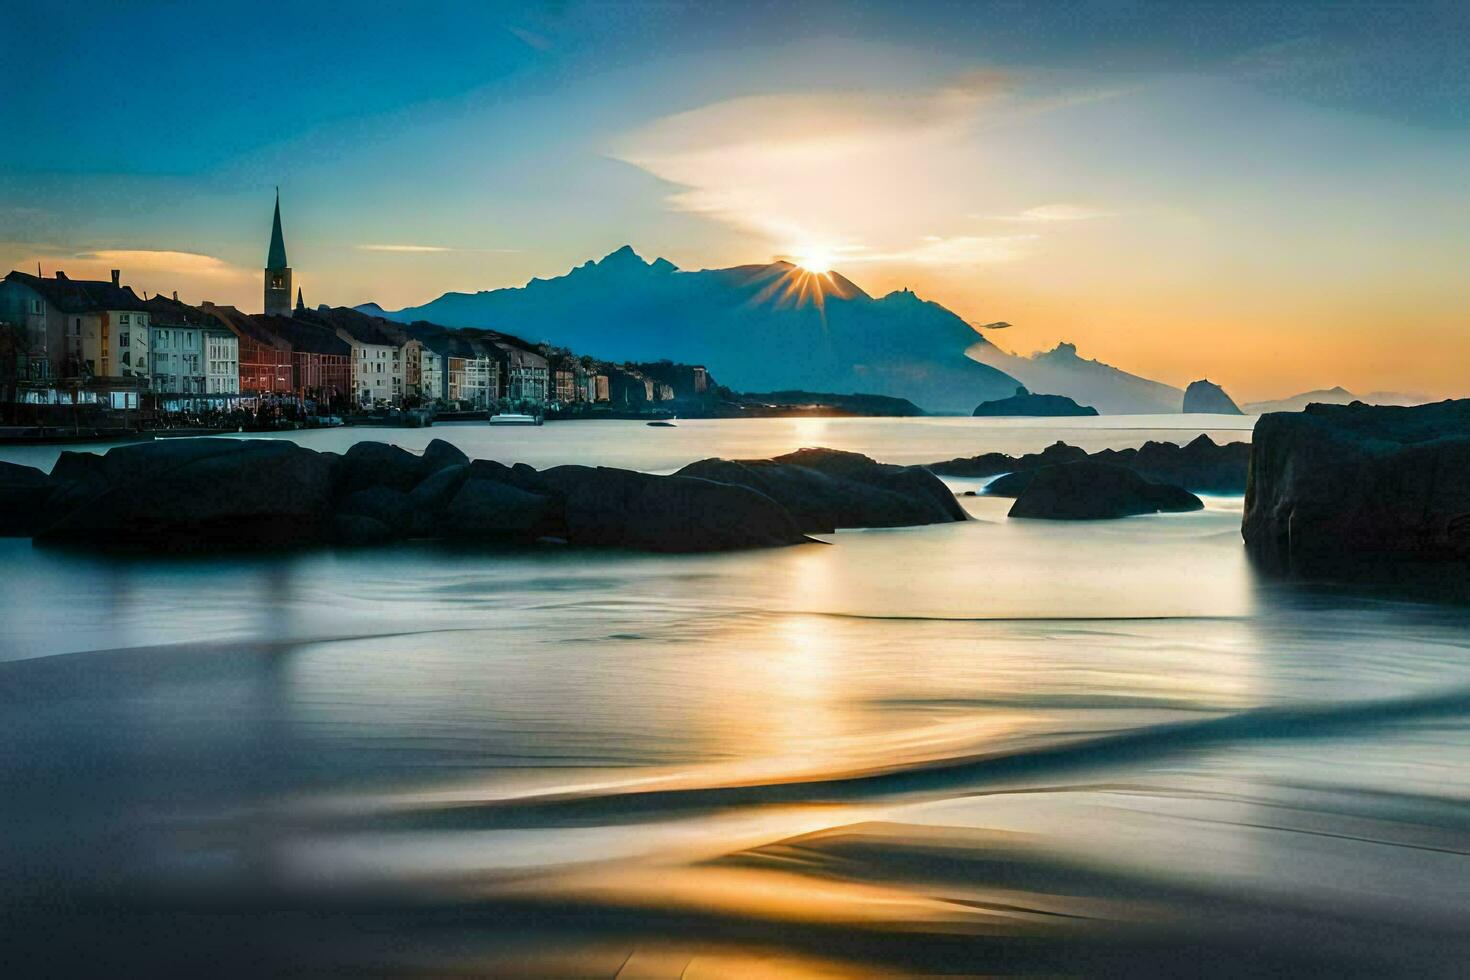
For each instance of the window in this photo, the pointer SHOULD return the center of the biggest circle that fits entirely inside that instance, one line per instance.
(37, 306)
(125, 319)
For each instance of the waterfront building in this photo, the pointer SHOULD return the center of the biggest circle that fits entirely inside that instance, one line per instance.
(564, 384)
(525, 376)
(266, 365)
(321, 360)
(277, 270)
(602, 389)
(176, 333)
(92, 333)
(431, 374)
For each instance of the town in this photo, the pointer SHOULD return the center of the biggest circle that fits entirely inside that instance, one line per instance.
(82, 354)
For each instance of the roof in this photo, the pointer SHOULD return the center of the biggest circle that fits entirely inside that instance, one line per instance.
(306, 336)
(167, 311)
(80, 295)
(248, 327)
(276, 258)
(518, 356)
(362, 328)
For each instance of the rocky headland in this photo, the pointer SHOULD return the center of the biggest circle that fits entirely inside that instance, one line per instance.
(1370, 485)
(193, 494)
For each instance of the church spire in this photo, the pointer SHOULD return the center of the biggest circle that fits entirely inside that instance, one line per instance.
(300, 303)
(277, 257)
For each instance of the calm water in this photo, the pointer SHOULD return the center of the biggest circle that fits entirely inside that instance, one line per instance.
(997, 746)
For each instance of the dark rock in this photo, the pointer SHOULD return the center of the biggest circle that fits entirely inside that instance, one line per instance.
(492, 509)
(371, 464)
(1024, 403)
(826, 489)
(1090, 490)
(439, 454)
(993, 464)
(1201, 466)
(215, 492)
(1337, 485)
(1010, 484)
(24, 491)
(1209, 398)
(392, 508)
(355, 530)
(621, 508)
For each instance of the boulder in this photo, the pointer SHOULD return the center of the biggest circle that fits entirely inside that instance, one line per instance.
(1346, 487)
(387, 506)
(1209, 398)
(491, 509)
(993, 464)
(216, 492)
(357, 531)
(1202, 465)
(439, 454)
(371, 464)
(624, 509)
(1024, 403)
(24, 491)
(838, 489)
(1090, 490)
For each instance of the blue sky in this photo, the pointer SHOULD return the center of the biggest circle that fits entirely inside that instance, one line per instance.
(1130, 176)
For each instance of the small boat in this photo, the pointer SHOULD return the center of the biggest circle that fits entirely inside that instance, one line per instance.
(514, 418)
(662, 424)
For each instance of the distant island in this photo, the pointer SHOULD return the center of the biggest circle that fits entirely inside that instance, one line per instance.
(1024, 403)
(1208, 398)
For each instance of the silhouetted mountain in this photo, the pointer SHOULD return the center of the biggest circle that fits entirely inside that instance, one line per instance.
(1106, 388)
(758, 327)
(1333, 396)
(1209, 398)
(1024, 402)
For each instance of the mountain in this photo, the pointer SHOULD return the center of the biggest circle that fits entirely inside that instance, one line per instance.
(1333, 396)
(1106, 388)
(1209, 398)
(756, 327)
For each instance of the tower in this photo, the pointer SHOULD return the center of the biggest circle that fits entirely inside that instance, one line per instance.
(277, 272)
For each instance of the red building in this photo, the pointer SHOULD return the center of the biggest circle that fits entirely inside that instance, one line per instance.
(266, 363)
(322, 360)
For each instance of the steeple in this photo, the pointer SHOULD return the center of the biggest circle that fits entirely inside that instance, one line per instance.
(277, 272)
(276, 259)
(300, 303)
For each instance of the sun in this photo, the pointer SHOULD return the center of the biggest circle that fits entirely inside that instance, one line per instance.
(814, 258)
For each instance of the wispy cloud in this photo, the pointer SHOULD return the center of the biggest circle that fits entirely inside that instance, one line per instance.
(1057, 212)
(152, 261)
(870, 176)
(428, 249)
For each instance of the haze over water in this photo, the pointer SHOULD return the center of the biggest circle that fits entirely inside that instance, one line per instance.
(988, 746)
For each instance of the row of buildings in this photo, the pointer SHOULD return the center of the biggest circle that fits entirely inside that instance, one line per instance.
(71, 340)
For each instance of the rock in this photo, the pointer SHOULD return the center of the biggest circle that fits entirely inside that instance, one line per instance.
(24, 491)
(389, 507)
(1209, 398)
(439, 454)
(1201, 466)
(371, 464)
(217, 492)
(993, 464)
(621, 508)
(1011, 484)
(1336, 486)
(1024, 403)
(826, 489)
(1089, 490)
(355, 530)
(492, 509)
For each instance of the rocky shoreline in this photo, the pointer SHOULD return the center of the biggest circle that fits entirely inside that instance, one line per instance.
(190, 495)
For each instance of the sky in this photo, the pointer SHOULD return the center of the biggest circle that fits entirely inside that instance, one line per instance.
(1273, 196)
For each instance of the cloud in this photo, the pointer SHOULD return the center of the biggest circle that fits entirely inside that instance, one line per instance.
(428, 249)
(1058, 212)
(863, 176)
(186, 264)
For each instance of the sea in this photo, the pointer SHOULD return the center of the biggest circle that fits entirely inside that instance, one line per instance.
(1001, 746)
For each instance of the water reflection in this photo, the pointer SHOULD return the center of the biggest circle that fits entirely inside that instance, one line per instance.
(984, 747)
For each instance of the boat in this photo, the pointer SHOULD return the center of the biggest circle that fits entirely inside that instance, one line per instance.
(662, 424)
(514, 418)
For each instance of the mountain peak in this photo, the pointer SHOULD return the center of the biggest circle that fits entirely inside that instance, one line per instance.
(621, 256)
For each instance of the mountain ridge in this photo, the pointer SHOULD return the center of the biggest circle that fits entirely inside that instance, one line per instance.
(759, 327)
